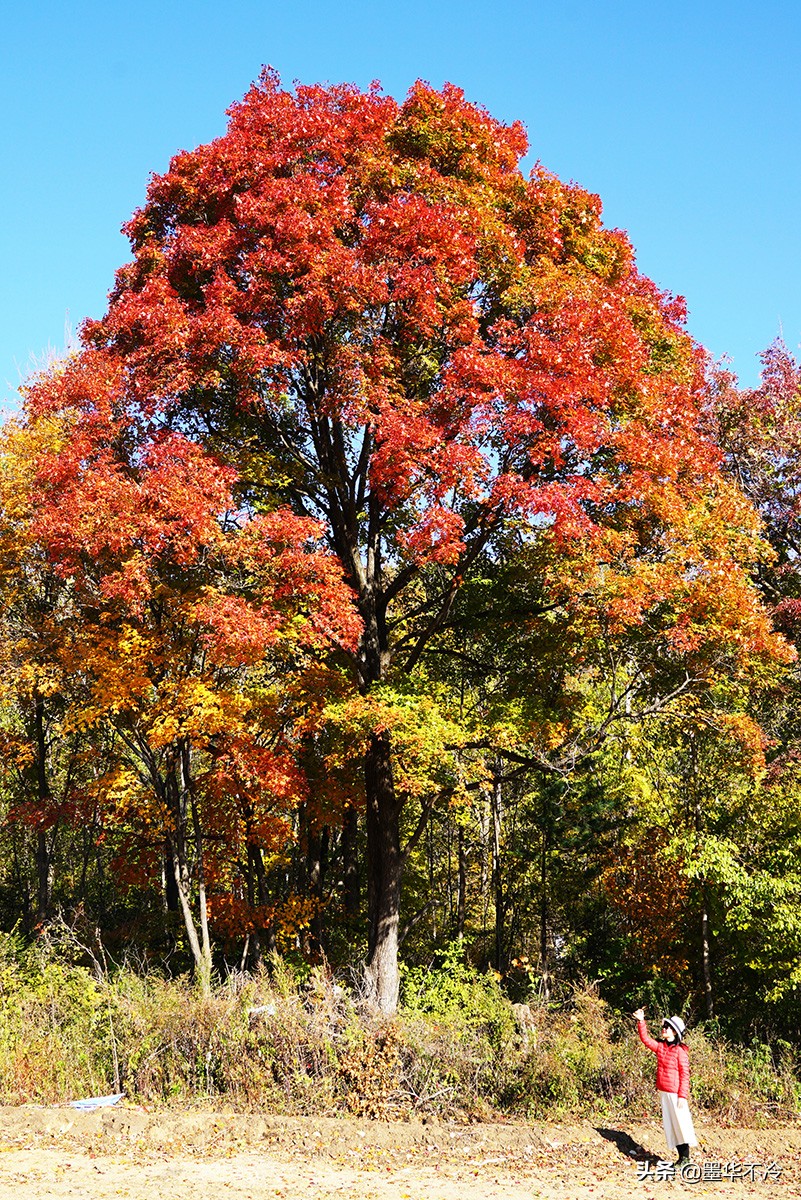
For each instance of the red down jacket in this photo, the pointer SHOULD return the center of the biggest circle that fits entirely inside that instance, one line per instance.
(672, 1063)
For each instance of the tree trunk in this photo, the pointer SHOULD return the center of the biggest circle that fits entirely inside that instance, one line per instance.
(20, 878)
(384, 876)
(350, 862)
(462, 900)
(252, 947)
(180, 792)
(181, 871)
(265, 939)
(171, 902)
(706, 960)
(545, 985)
(188, 785)
(484, 826)
(44, 877)
(432, 889)
(497, 879)
(44, 865)
(317, 862)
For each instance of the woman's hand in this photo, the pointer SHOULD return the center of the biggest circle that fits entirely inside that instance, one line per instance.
(639, 1015)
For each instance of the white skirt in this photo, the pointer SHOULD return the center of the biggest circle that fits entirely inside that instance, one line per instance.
(677, 1121)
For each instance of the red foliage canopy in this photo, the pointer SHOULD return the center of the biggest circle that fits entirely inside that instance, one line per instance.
(423, 339)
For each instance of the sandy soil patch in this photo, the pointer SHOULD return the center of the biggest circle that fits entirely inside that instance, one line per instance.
(50, 1154)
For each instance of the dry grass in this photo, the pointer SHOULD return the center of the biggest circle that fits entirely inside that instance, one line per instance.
(268, 1042)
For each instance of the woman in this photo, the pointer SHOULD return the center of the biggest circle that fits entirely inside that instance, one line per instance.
(672, 1082)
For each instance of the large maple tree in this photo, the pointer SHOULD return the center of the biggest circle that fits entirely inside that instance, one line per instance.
(368, 311)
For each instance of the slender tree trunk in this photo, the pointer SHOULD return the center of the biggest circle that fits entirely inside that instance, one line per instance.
(43, 877)
(350, 862)
(183, 805)
(171, 902)
(262, 937)
(461, 907)
(497, 879)
(21, 882)
(484, 825)
(384, 876)
(706, 957)
(182, 883)
(252, 948)
(266, 940)
(432, 891)
(187, 782)
(86, 851)
(44, 865)
(544, 973)
(318, 844)
(383, 808)
(449, 841)
(706, 960)
(316, 860)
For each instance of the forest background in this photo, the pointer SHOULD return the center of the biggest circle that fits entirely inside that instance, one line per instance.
(388, 568)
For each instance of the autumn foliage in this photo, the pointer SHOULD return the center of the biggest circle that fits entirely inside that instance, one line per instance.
(385, 480)
(177, 612)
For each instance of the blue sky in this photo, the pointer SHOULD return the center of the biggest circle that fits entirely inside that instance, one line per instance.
(683, 117)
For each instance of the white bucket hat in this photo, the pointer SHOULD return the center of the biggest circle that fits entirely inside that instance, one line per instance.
(677, 1025)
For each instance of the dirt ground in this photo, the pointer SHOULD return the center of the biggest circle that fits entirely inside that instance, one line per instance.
(50, 1154)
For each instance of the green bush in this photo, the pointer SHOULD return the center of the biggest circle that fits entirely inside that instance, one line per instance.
(453, 992)
(55, 1031)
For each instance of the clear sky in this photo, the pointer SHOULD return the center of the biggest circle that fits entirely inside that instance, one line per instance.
(684, 117)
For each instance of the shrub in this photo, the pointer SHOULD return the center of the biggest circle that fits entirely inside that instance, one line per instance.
(454, 993)
(278, 1042)
(55, 1032)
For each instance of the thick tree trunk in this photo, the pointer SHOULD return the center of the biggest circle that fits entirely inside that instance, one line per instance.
(384, 876)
